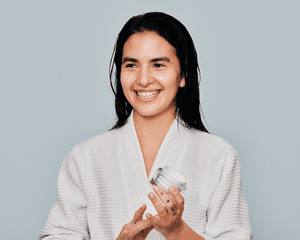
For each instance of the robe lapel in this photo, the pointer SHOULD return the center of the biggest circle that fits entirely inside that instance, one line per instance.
(134, 172)
(172, 149)
(137, 183)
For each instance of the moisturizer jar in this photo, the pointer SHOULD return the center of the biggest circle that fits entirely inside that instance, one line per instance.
(167, 176)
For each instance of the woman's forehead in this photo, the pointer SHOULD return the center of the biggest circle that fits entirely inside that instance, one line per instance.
(148, 44)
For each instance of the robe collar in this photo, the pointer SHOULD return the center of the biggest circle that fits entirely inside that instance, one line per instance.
(171, 152)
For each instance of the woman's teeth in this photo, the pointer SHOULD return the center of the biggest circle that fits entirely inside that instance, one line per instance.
(147, 94)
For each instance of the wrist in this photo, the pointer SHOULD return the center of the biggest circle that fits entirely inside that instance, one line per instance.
(176, 233)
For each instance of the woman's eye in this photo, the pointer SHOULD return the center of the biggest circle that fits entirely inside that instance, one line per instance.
(130, 65)
(158, 65)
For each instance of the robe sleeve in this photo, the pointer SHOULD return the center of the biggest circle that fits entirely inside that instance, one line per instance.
(67, 218)
(227, 215)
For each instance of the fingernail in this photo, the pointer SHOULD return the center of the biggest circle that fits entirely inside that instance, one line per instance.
(171, 189)
(144, 205)
(155, 188)
(147, 215)
(151, 195)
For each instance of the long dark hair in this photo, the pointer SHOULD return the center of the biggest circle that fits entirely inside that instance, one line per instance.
(187, 100)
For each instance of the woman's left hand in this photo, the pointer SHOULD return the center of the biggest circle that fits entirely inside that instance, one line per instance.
(168, 221)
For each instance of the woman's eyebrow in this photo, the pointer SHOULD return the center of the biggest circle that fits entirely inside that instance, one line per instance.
(128, 59)
(159, 59)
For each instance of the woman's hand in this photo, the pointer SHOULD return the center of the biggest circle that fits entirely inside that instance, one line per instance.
(138, 228)
(168, 221)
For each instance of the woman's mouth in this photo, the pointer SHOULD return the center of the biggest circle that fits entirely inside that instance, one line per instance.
(147, 95)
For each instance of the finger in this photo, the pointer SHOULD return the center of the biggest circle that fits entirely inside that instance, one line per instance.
(142, 224)
(158, 206)
(138, 215)
(179, 200)
(165, 198)
(154, 220)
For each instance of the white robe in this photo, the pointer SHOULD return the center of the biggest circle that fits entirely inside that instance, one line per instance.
(103, 181)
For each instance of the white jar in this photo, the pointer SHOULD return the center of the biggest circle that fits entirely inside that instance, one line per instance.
(167, 176)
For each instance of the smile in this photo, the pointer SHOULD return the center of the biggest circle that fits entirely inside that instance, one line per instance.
(148, 94)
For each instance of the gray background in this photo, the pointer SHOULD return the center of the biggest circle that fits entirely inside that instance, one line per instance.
(55, 93)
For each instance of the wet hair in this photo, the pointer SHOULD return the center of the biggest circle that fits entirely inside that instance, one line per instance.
(187, 100)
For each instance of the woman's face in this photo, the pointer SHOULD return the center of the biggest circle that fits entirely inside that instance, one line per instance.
(150, 74)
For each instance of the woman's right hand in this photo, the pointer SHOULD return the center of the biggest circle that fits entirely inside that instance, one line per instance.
(138, 228)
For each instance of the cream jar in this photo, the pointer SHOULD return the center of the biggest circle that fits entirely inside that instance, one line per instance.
(167, 176)
(164, 178)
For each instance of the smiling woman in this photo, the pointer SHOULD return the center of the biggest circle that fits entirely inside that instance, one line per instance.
(104, 183)
(150, 75)
(177, 39)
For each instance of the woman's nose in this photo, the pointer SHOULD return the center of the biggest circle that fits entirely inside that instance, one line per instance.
(144, 77)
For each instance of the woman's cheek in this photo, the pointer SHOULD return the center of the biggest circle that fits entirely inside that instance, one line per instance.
(127, 78)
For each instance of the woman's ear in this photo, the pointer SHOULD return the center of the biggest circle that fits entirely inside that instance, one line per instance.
(182, 82)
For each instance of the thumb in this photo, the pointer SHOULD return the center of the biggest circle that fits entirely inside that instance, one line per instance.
(154, 220)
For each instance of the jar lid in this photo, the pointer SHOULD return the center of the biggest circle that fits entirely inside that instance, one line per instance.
(173, 174)
(168, 176)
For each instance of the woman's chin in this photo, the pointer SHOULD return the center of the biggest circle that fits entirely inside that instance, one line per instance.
(147, 114)
(153, 113)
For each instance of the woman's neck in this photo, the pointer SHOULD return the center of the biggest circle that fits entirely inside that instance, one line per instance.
(155, 127)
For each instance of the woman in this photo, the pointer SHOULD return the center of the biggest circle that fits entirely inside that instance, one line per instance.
(104, 182)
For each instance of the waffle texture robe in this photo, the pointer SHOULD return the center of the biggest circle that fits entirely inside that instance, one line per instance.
(103, 181)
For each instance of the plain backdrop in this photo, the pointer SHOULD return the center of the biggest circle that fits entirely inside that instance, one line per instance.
(55, 93)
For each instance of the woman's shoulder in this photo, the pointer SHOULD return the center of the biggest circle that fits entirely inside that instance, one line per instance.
(203, 140)
(101, 142)
(211, 151)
